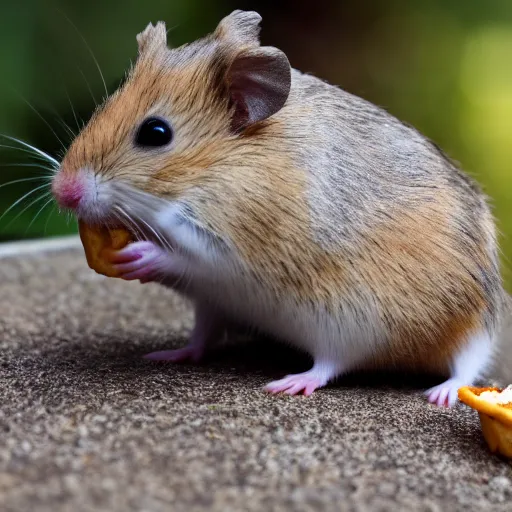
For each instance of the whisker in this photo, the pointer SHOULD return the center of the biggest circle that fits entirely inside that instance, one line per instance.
(42, 118)
(148, 204)
(88, 48)
(66, 127)
(137, 220)
(34, 149)
(62, 122)
(127, 195)
(38, 213)
(48, 219)
(171, 29)
(36, 200)
(35, 178)
(73, 110)
(24, 150)
(29, 193)
(159, 237)
(129, 225)
(131, 222)
(88, 86)
(37, 166)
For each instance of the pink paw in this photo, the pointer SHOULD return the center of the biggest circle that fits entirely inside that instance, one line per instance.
(305, 382)
(445, 394)
(139, 260)
(180, 355)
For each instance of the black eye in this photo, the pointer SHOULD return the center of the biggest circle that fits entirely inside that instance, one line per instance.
(153, 132)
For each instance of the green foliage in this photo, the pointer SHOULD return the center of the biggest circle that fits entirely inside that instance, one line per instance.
(441, 65)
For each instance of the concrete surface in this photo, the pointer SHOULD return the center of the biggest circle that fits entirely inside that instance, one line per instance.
(86, 425)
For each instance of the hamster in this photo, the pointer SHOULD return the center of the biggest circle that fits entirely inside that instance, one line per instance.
(273, 199)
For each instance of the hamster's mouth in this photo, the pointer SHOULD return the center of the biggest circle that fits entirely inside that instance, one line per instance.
(139, 229)
(110, 223)
(120, 206)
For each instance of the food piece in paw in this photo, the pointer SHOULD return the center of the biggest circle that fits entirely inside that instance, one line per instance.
(494, 406)
(99, 239)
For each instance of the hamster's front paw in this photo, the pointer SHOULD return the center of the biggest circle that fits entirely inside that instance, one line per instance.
(145, 261)
(192, 352)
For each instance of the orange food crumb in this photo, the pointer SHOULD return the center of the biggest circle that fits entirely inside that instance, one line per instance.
(97, 241)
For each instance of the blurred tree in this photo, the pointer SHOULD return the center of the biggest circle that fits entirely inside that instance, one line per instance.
(51, 79)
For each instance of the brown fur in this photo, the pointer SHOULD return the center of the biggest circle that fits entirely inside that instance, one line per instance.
(419, 239)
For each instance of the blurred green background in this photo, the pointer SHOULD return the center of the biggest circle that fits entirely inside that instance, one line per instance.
(443, 66)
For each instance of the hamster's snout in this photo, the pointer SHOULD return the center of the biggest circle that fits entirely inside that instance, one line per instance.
(84, 193)
(68, 189)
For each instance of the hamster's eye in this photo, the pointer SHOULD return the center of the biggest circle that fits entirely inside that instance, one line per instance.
(153, 132)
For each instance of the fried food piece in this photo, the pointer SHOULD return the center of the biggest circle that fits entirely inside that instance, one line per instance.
(494, 407)
(97, 240)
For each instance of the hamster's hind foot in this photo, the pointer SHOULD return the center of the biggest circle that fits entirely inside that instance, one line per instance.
(468, 365)
(445, 394)
(306, 382)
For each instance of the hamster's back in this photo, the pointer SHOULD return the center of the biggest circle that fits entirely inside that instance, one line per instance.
(407, 223)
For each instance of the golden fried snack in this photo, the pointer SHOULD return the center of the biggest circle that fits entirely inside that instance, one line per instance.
(494, 407)
(97, 240)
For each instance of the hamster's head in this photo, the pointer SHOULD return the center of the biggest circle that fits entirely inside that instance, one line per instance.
(172, 132)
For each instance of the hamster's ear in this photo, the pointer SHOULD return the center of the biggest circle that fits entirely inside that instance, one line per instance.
(259, 81)
(153, 38)
(242, 27)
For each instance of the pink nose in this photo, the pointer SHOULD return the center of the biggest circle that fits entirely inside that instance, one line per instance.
(68, 190)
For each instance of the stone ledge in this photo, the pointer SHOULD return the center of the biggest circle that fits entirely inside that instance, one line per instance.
(86, 424)
(39, 246)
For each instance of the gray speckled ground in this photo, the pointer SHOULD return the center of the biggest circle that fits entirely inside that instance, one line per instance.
(86, 425)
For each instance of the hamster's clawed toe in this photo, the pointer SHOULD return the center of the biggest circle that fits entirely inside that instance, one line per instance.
(445, 394)
(304, 383)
